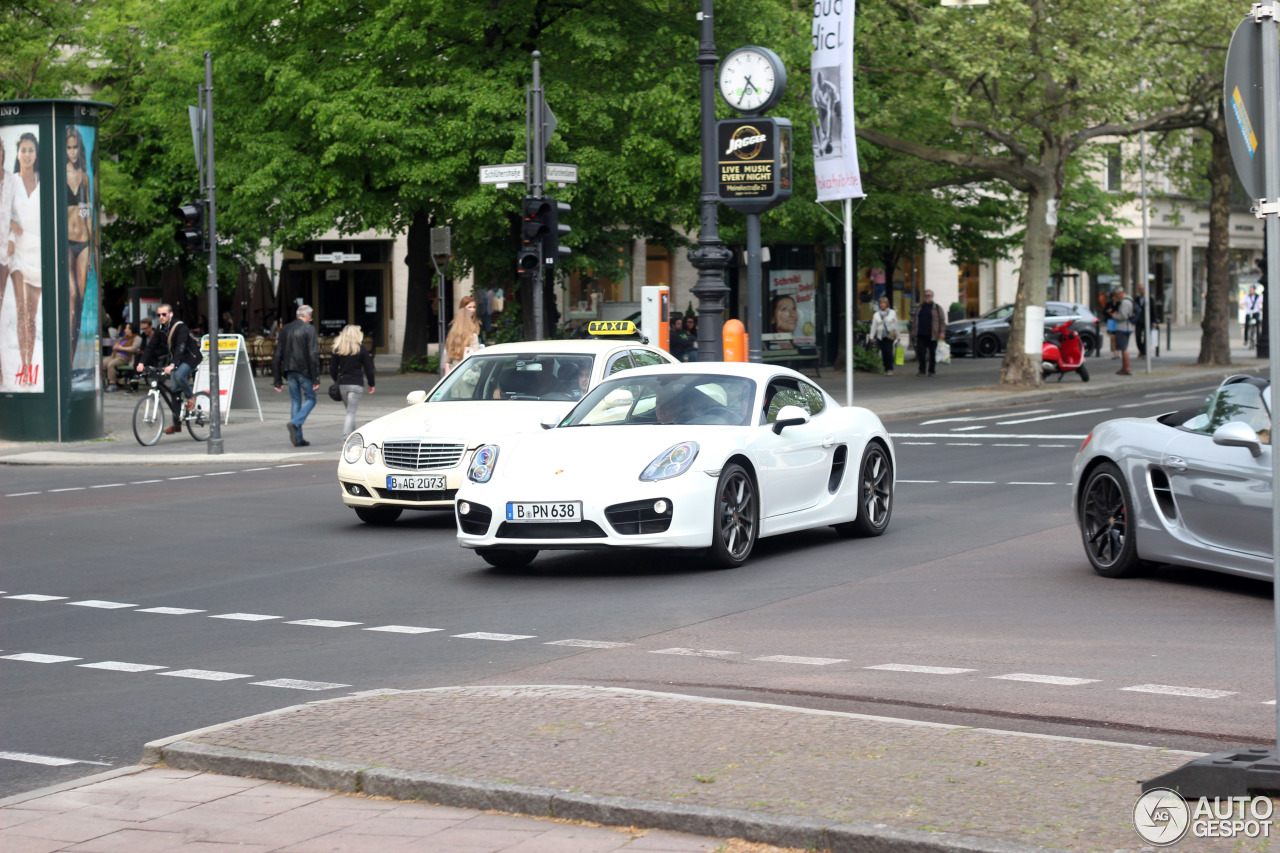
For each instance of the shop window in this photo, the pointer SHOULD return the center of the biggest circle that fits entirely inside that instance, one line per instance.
(588, 288)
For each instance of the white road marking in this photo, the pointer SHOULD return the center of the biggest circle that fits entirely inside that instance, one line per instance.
(963, 444)
(1010, 445)
(1009, 435)
(187, 477)
(245, 617)
(290, 465)
(247, 470)
(171, 611)
(72, 489)
(794, 659)
(21, 494)
(917, 481)
(1046, 679)
(967, 428)
(144, 482)
(31, 657)
(101, 605)
(1028, 483)
(295, 684)
(107, 486)
(927, 670)
(47, 760)
(502, 638)
(205, 674)
(323, 623)
(1053, 445)
(920, 443)
(120, 666)
(977, 418)
(34, 597)
(697, 653)
(1052, 417)
(971, 482)
(587, 644)
(220, 474)
(403, 629)
(1169, 690)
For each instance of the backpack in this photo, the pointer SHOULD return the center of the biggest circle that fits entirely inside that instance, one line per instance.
(193, 346)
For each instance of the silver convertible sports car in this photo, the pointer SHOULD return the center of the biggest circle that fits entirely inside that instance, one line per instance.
(1192, 488)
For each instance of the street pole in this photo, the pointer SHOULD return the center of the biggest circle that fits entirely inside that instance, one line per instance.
(711, 256)
(848, 301)
(1145, 259)
(755, 306)
(535, 156)
(215, 402)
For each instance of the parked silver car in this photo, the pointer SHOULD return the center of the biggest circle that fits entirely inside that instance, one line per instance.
(1192, 488)
(989, 334)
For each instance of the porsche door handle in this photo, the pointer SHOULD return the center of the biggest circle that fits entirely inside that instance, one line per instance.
(828, 440)
(1175, 463)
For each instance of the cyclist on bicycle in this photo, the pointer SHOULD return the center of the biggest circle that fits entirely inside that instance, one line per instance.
(168, 346)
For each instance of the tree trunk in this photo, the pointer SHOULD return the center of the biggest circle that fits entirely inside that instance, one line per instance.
(1022, 369)
(420, 291)
(1215, 338)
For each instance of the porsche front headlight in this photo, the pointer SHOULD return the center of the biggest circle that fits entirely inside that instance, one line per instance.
(481, 468)
(672, 462)
(353, 448)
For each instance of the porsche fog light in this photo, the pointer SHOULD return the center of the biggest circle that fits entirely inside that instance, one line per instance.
(660, 507)
(353, 448)
(672, 462)
(464, 508)
(371, 454)
(481, 468)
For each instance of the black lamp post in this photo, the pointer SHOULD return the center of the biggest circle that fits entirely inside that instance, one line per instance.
(711, 256)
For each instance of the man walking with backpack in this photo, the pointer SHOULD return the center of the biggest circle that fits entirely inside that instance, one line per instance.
(297, 356)
(173, 345)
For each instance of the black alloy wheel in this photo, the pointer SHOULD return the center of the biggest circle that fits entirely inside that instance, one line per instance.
(506, 558)
(1109, 540)
(875, 494)
(987, 346)
(737, 517)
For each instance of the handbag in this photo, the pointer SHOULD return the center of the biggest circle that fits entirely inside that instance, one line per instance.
(335, 393)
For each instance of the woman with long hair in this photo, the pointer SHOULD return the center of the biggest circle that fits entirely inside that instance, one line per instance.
(7, 185)
(26, 270)
(464, 334)
(350, 357)
(79, 229)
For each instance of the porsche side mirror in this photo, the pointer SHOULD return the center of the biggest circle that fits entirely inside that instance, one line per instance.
(415, 397)
(789, 416)
(1236, 434)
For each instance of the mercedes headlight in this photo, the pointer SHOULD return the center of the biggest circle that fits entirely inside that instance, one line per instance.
(353, 448)
(672, 462)
(371, 454)
(481, 468)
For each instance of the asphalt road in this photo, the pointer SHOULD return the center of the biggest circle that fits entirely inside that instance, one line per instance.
(137, 603)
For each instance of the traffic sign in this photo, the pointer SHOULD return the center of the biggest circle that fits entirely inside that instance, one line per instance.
(562, 173)
(1242, 89)
(509, 173)
(337, 258)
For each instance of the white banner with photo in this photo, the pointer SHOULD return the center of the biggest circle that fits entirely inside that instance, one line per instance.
(835, 150)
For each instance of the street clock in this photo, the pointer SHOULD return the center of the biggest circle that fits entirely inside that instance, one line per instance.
(752, 79)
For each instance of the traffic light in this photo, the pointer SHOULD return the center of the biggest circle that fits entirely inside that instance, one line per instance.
(532, 232)
(190, 234)
(552, 251)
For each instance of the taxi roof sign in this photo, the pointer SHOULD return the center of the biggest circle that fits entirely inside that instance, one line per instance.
(611, 327)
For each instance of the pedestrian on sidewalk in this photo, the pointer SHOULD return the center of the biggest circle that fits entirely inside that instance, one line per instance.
(464, 334)
(1124, 327)
(350, 358)
(928, 326)
(123, 352)
(884, 331)
(1140, 319)
(1252, 315)
(1109, 314)
(297, 356)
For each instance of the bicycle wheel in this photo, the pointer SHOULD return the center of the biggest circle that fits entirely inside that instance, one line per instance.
(200, 417)
(148, 420)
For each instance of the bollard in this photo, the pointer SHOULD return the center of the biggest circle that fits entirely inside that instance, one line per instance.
(735, 341)
(973, 339)
(1168, 333)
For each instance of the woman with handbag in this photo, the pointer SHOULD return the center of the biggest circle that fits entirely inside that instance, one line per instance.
(464, 334)
(884, 331)
(350, 358)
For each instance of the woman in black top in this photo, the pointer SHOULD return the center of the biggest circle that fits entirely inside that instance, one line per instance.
(350, 357)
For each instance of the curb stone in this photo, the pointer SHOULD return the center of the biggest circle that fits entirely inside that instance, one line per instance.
(309, 772)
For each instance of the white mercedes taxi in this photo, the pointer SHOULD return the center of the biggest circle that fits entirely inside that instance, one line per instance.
(417, 458)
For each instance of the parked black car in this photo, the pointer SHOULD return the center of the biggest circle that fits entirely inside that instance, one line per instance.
(991, 330)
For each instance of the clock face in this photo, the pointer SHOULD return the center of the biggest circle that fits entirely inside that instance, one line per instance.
(752, 79)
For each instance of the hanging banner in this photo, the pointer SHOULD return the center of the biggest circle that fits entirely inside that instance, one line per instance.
(835, 150)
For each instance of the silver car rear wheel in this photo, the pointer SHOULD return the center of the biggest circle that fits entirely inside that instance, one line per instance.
(1106, 525)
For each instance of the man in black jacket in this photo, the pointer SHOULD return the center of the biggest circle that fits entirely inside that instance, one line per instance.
(169, 345)
(297, 356)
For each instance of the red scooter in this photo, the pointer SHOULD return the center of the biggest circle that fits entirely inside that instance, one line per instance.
(1065, 356)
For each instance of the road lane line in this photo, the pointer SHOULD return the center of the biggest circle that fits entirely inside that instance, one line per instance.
(21, 494)
(1010, 445)
(1028, 483)
(31, 657)
(323, 623)
(502, 638)
(403, 629)
(978, 417)
(121, 666)
(245, 617)
(107, 486)
(971, 482)
(986, 435)
(967, 428)
(697, 653)
(31, 596)
(808, 661)
(101, 605)
(917, 481)
(47, 760)
(295, 684)
(171, 611)
(247, 470)
(587, 644)
(927, 670)
(205, 674)
(1046, 679)
(1052, 417)
(963, 444)
(290, 465)
(901, 442)
(72, 489)
(187, 477)
(1162, 402)
(144, 482)
(220, 473)
(1170, 690)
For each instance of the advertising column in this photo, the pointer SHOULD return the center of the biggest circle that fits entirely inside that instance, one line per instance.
(50, 346)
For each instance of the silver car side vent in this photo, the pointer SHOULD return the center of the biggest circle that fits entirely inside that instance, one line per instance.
(1162, 490)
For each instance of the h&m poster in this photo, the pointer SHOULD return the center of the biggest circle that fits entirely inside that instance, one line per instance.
(21, 261)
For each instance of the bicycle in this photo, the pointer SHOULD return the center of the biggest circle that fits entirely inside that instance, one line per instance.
(149, 418)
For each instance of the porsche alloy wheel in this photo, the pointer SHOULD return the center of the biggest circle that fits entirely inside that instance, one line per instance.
(875, 494)
(737, 517)
(1105, 523)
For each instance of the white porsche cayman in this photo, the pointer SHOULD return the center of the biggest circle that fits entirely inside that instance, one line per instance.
(697, 456)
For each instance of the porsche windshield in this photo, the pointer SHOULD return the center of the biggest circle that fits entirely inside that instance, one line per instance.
(688, 398)
(522, 376)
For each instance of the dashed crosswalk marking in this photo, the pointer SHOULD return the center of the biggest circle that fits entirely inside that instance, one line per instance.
(1046, 679)
(803, 660)
(695, 653)
(31, 596)
(171, 611)
(32, 657)
(587, 644)
(403, 629)
(205, 674)
(245, 617)
(101, 605)
(502, 638)
(295, 684)
(322, 623)
(1170, 690)
(46, 760)
(121, 666)
(924, 670)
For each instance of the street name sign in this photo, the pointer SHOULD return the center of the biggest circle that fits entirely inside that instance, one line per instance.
(562, 173)
(507, 173)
